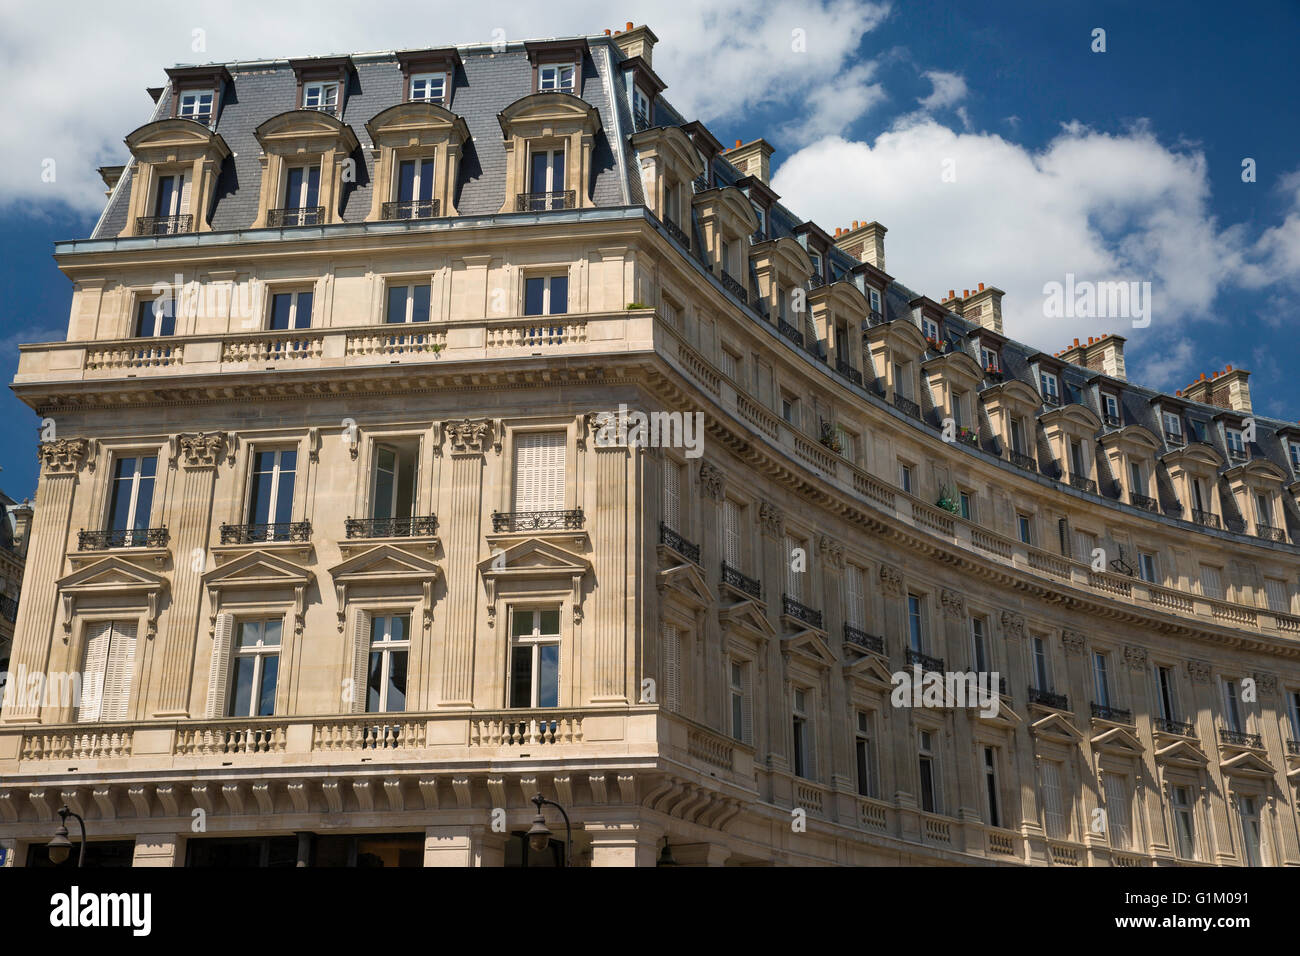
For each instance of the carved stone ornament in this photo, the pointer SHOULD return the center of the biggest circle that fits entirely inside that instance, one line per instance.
(1073, 641)
(64, 456)
(1135, 657)
(1013, 624)
(202, 450)
(1266, 684)
(771, 518)
(954, 605)
(891, 579)
(469, 437)
(1199, 671)
(832, 551)
(711, 480)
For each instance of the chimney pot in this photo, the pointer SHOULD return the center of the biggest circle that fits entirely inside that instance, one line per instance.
(855, 224)
(952, 293)
(737, 144)
(629, 25)
(1076, 342)
(965, 293)
(1229, 368)
(981, 286)
(607, 32)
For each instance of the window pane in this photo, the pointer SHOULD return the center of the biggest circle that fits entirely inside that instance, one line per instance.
(281, 305)
(396, 304)
(548, 679)
(374, 682)
(540, 166)
(523, 623)
(400, 629)
(521, 677)
(266, 703)
(123, 484)
(397, 681)
(426, 180)
(293, 189)
(559, 295)
(250, 632)
(271, 633)
(144, 494)
(284, 493)
(313, 186)
(166, 195)
(550, 622)
(406, 181)
(420, 303)
(242, 694)
(557, 171)
(302, 317)
(534, 289)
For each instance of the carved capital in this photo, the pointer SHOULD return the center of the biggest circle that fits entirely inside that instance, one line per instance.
(1135, 657)
(831, 551)
(711, 480)
(1013, 624)
(64, 456)
(771, 518)
(891, 579)
(1073, 641)
(1199, 671)
(202, 449)
(954, 605)
(1266, 684)
(469, 438)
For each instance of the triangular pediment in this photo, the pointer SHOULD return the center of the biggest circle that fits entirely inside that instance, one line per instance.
(534, 557)
(871, 670)
(745, 616)
(1117, 740)
(1005, 717)
(812, 645)
(688, 580)
(111, 574)
(1055, 726)
(1182, 753)
(384, 562)
(1247, 763)
(258, 569)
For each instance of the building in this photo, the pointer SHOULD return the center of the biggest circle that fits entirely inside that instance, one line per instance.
(15, 524)
(340, 592)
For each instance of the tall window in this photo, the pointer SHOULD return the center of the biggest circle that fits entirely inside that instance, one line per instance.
(535, 658)
(803, 739)
(302, 193)
(905, 477)
(1042, 665)
(1136, 482)
(1055, 821)
(1263, 510)
(1173, 426)
(731, 365)
(855, 609)
(672, 668)
(321, 96)
(1025, 528)
(915, 623)
(1166, 700)
(874, 296)
(930, 328)
(394, 482)
(539, 471)
(1147, 567)
(408, 303)
(991, 786)
(270, 500)
(1112, 409)
(428, 87)
(864, 751)
(546, 295)
(967, 505)
(640, 109)
(1017, 436)
(1077, 463)
(155, 317)
(132, 498)
(1236, 447)
(556, 77)
(1232, 706)
(929, 776)
(1293, 713)
(107, 672)
(1279, 599)
(1184, 813)
(795, 567)
(414, 188)
(546, 179)
(1250, 830)
(990, 358)
(291, 310)
(173, 196)
(257, 665)
(1211, 582)
(738, 690)
(1051, 389)
(1101, 678)
(390, 644)
(731, 547)
(980, 644)
(1117, 811)
(672, 495)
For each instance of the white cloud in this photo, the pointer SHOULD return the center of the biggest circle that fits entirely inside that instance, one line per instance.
(75, 79)
(947, 89)
(836, 105)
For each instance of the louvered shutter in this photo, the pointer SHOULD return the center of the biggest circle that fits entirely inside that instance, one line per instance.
(746, 705)
(118, 672)
(360, 661)
(793, 579)
(1278, 599)
(810, 745)
(855, 610)
(1211, 582)
(98, 637)
(1053, 813)
(672, 495)
(672, 668)
(539, 472)
(219, 669)
(731, 534)
(183, 205)
(1117, 810)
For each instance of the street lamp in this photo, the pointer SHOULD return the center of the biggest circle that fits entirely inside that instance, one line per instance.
(666, 856)
(539, 835)
(61, 846)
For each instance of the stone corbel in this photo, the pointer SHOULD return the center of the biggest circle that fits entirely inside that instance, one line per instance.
(299, 608)
(577, 599)
(232, 441)
(313, 444)
(151, 621)
(437, 439)
(214, 608)
(69, 608)
(490, 585)
(341, 597)
(428, 603)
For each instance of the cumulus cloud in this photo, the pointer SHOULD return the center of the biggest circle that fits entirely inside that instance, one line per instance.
(832, 108)
(947, 89)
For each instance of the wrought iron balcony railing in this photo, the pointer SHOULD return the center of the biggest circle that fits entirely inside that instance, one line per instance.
(1111, 420)
(413, 526)
(122, 538)
(412, 209)
(163, 225)
(733, 286)
(540, 202)
(700, 183)
(1048, 699)
(1079, 483)
(1052, 401)
(926, 662)
(860, 638)
(302, 216)
(1270, 533)
(1118, 714)
(875, 318)
(800, 612)
(790, 332)
(1239, 738)
(677, 233)
(537, 520)
(1235, 525)
(1023, 461)
(1175, 438)
(848, 371)
(1143, 502)
(1178, 728)
(669, 537)
(1238, 454)
(1174, 509)
(907, 406)
(278, 531)
(734, 578)
(1292, 746)
(1205, 518)
(8, 608)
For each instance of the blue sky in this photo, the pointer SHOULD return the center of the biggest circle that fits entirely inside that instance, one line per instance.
(1117, 165)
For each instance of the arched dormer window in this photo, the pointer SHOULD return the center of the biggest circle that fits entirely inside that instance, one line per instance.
(549, 141)
(726, 222)
(669, 165)
(839, 312)
(417, 149)
(173, 178)
(1071, 434)
(782, 268)
(304, 156)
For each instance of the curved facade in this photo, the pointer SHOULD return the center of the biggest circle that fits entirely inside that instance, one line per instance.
(665, 504)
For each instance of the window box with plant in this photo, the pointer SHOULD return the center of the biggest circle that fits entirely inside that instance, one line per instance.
(830, 437)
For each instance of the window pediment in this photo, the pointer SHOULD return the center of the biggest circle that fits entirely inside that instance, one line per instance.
(305, 131)
(843, 298)
(549, 114)
(415, 130)
(1073, 418)
(1194, 456)
(784, 256)
(560, 129)
(956, 367)
(416, 123)
(176, 140)
(1014, 394)
(177, 157)
(729, 210)
(1257, 470)
(903, 339)
(110, 579)
(1132, 438)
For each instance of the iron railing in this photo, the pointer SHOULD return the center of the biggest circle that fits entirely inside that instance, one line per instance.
(1235, 525)
(800, 612)
(1205, 518)
(163, 225)
(1143, 502)
(412, 209)
(413, 526)
(968, 436)
(1238, 454)
(537, 520)
(539, 202)
(1239, 738)
(1079, 483)
(732, 285)
(1023, 461)
(299, 216)
(875, 318)
(122, 538)
(8, 608)
(1111, 420)
(1178, 728)
(1292, 747)
(1175, 438)
(1052, 401)
(1270, 533)
(1118, 714)
(736, 579)
(848, 371)
(907, 406)
(790, 332)
(677, 233)
(1048, 699)
(862, 639)
(669, 537)
(277, 531)
(926, 662)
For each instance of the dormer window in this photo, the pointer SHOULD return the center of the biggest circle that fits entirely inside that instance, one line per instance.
(761, 215)
(196, 105)
(874, 296)
(930, 329)
(301, 198)
(1111, 405)
(1050, 387)
(1295, 455)
(992, 363)
(556, 77)
(640, 109)
(171, 207)
(1173, 428)
(818, 267)
(428, 87)
(1236, 447)
(1263, 510)
(321, 96)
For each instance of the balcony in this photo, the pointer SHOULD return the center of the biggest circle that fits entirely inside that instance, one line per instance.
(1083, 484)
(860, 638)
(907, 406)
(849, 372)
(509, 521)
(1111, 420)
(1238, 454)
(163, 225)
(968, 436)
(1270, 533)
(790, 332)
(1235, 525)
(927, 663)
(1205, 519)
(416, 209)
(299, 531)
(8, 608)
(800, 612)
(669, 537)
(676, 232)
(731, 285)
(410, 527)
(1143, 502)
(1175, 439)
(742, 582)
(1052, 401)
(1048, 698)
(1176, 727)
(875, 318)
(541, 202)
(1292, 746)
(302, 216)
(994, 374)
(122, 538)
(700, 183)
(1117, 714)
(1022, 461)
(1237, 738)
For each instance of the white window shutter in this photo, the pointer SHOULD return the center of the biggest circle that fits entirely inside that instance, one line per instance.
(118, 673)
(92, 680)
(672, 495)
(360, 661)
(1117, 810)
(219, 669)
(183, 205)
(672, 668)
(1053, 812)
(731, 533)
(746, 705)
(539, 471)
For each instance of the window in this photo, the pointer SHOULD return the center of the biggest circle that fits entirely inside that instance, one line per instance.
(1117, 810)
(107, 672)
(302, 189)
(270, 499)
(428, 87)
(1136, 481)
(290, 310)
(1184, 813)
(155, 317)
(1101, 678)
(257, 664)
(414, 188)
(874, 296)
(196, 105)
(393, 492)
(866, 757)
(1017, 436)
(1173, 425)
(672, 495)
(1166, 700)
(1263, 510)
(546, 179)
(980, 644)
(1042, 665)
(916, 623)
(640, 109)
(1294, 448)
(930, 329)
(535, 658)
(1025, 528)
(731, 542)
(928, 772)
(1236, 448)
(991, 361)
(539, 471)
(1085, 542)
(1211, 582)
(1111, 404)
(546, 295)
(967, 504)
(1050, 387)
(321, 96)
(1055, 821)
(905, 477)
(1232, 706)
(902, 386)
(390, 643)
(818, 269)
(958, 403)
(173, 198)
(848, 443)
(407, 303)
(131, 503)
(991, 786)
(1198, 495)
(556, 76)
(794, 579)
(790, 409)
(803, 739)
(731, 365)
(761, 232)
(672, 668)
(855, 607)
(739, 692)
(1077, 463)
(1250, 830)
(1147, 567)
(1293, 713)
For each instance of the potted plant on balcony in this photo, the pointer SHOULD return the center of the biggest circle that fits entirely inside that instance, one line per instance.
(831, 438)
(948, 501)
(993, 373)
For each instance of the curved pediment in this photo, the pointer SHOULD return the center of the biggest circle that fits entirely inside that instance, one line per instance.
(1196, 452)
(1074, 414)
(785, 254)
(175, 135)
(843, 297)
(730, 201)
(552, 107)
(311, 125)
(959, 363)
(1136, 434)
(1260, 468)
(904, 333)
(406, 119)
(674, 145)
(1016, 390)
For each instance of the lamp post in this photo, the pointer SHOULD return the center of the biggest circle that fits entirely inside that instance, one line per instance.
(61, 846)
(539, 835)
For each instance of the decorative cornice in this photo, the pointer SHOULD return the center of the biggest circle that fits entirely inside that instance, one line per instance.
(63, 456)
(711, 480)
(1073, 641)
(954, 605)
(891, 579)
(771, 518)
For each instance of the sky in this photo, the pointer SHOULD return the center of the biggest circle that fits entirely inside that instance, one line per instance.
(1011, 142)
